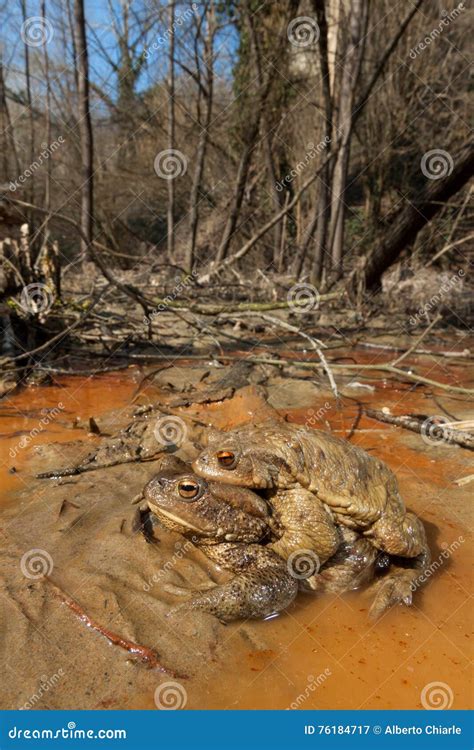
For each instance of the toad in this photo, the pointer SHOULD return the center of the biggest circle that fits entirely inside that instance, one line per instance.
(303, 472)
(228, 524)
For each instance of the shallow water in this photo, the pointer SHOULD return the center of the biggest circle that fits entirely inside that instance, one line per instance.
(323, 652)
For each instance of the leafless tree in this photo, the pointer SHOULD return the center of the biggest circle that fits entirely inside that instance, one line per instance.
(85, 127)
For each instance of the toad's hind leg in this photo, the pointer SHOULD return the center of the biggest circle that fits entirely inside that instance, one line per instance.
(352, 566)
(398, 585)
(309, 535)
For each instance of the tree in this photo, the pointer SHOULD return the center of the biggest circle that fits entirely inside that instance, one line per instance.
(85, 128)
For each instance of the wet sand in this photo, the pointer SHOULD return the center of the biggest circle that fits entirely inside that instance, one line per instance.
(321, 653)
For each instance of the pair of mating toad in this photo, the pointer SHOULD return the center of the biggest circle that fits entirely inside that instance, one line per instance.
(328, 518)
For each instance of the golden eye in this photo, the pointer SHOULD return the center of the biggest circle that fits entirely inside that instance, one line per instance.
(188, 489)
(226, 459)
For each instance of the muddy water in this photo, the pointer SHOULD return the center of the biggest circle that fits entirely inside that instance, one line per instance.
(323, 652)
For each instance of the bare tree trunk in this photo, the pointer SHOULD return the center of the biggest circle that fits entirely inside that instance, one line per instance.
(47, 191)
(333, 12)
(85, 128)
(73, 41)
(350, 77)
(240, 184)
(251, 139)
(7, 143)
(321, 218)
(31, 189)
(417, 213)
(171, 131)
(267, 146)
(203, 137)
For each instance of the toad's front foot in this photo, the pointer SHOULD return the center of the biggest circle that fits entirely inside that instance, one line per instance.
(394, 588)
(182, 591)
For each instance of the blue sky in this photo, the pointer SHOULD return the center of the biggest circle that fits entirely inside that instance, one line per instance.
(102, 42)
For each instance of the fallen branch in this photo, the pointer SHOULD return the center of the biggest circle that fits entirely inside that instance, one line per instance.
(446, 432)
(72, 471)
(316, 344)
(381, 367)
(465, 354)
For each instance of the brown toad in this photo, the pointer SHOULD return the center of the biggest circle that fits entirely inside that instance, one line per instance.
(227, 524)
(307, 472)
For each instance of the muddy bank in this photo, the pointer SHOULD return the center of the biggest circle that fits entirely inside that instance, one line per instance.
(321, 653)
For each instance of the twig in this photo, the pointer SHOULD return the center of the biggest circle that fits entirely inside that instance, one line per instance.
(427, 352)
(450, 246)
(144, 653)
(72, 471)
(418, 340)
(448, 435)
(316, 344)
(381, 367)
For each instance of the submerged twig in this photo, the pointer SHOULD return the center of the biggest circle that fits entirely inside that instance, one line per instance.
(447, 433)
(144, 653)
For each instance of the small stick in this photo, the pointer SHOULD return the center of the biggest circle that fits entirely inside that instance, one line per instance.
(72, 471)
(418, 340)
(144, 653)
(464, 439)
(315, 343)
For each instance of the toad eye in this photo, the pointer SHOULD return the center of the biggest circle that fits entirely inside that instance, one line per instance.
(188, 489)
(226, 459)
